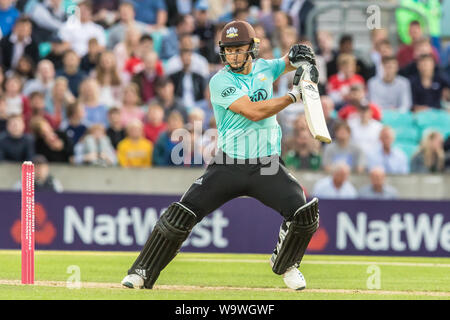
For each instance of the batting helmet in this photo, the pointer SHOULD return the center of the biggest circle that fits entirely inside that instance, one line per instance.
(235, 34)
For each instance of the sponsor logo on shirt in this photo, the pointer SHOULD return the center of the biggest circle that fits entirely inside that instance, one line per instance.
(258, 95)
(228, 91)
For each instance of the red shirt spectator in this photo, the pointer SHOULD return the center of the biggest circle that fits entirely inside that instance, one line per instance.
(154, 122)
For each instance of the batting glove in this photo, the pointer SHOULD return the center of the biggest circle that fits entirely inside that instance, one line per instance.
(301, 54)
(296, 94)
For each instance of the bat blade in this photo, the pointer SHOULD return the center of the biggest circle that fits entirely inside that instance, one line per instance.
(313, 111)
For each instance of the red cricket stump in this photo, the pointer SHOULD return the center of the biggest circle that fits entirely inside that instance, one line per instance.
(27, 223)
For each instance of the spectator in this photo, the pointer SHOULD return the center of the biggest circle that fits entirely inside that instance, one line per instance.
(54, 145)
(131, 105)
(145, 80)
(127, 54)
(90, 60)
(343, 150)
(390, 91)
(189, 85)
(377, 189)
(8, 17)
(390, 158)
(74, 126)
(154, 124)
(446, 150)
(165, 96)
(43, 180)
(43, 81)
(428, 87)
(3, 114)
(19, 43)
(135, 151)
(356, 97)
(48, 17)
(199, 63)
(280, 22)
(379, 39)
(328, 109)
(298, 11)
(71, 71)
(16, 103)
(170, 43)
(37, 107)
(90, 99)
(151, 12)
(422, 47)
(326, 49)
(25, 68)
(117, 32)
(95, 148)
(305, 153)
(105, 12)
(430, 158)
(162, 154)
(405, 54)
(365, 129)
(108, 78)
(337, 186)
(346, 47)
(115, 131)
(339, 84)
(60, 98)
(2, 78)
(15, 145)
(78, 31)
(205, 31)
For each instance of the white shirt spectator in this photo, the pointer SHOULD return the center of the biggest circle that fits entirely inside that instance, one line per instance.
(78, 35)
(326, 189)
(395, 95)
(395, 162)
(365, 135)
(199, 65)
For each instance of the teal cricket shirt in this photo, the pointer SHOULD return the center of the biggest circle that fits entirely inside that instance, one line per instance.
(239, 137)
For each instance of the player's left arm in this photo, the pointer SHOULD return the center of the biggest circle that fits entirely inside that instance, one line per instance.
(298, 55)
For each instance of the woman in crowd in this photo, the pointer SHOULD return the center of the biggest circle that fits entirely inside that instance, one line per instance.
(131, 105)
(95, 148)
(96, 112)
(108, 79)
(430, 157)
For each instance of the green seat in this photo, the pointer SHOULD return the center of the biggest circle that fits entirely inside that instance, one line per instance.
(438, 120)
(407, 134)
(44, 49)
(408, 148)
(398, 119)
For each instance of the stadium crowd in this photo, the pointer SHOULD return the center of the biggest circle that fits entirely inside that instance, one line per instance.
(107, 82)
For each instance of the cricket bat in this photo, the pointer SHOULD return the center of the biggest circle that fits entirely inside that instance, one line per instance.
(313, 107)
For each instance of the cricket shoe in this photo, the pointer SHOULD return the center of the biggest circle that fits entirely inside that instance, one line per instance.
(293, 278)
(133, 281)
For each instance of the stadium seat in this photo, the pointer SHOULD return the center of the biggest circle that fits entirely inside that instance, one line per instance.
(408, 148)
(438, 120)
(397, 119)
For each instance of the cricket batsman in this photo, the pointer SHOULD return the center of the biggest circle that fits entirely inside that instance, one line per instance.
(249, 142)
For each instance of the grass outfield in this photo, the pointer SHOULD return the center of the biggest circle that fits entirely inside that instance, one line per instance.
(193, 276)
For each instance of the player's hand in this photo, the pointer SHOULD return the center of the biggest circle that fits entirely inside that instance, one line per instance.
(301, 54)
(296, 94)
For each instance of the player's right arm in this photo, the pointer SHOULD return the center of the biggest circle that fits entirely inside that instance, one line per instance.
(260, 110)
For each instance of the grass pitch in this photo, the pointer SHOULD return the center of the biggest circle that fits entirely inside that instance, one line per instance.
(193, 276)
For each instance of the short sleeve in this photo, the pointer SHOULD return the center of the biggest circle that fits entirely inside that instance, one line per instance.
(277, 67)
(223, 91)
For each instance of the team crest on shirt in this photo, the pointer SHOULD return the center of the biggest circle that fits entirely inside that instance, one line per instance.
(262, 77)
(258, 95)
(232, 32)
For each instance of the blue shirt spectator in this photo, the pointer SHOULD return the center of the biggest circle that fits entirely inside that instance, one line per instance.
(378, 189)
(8, 16)
(337, 186)
(147, 10)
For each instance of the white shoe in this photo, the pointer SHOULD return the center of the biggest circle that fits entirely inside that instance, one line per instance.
(294, 279)
(133, 281)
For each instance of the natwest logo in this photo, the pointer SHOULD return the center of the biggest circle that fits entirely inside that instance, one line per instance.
(403, 232)
(131, 226)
